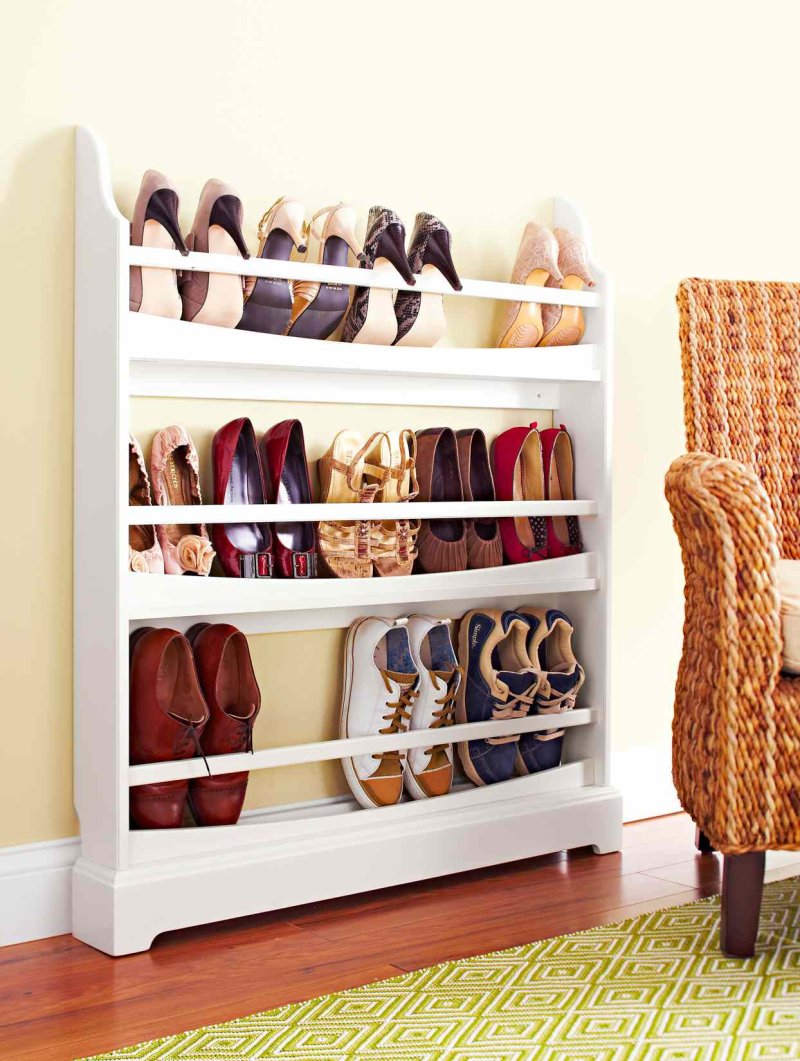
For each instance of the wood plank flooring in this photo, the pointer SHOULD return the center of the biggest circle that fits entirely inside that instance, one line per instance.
(60, 1000)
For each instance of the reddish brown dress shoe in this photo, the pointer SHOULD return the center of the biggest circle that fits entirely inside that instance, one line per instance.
(229, 683)
(484, 544)
(442, 543)
(167, 716)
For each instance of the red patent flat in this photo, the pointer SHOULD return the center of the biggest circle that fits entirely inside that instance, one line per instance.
(244, 549)
(288, 484)
(519, 476)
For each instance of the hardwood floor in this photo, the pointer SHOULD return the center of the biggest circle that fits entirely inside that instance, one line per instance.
(59, 999)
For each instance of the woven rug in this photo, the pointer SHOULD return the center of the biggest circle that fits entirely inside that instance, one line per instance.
(653, 988)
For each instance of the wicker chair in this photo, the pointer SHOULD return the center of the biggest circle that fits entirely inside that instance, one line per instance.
(735, 500)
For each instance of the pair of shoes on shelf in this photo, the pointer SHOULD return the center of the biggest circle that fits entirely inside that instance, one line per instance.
(303, 308)
(379, 468)
(174, 549)
(410, 318)
(455, 467)
(547, 259)
(190, 695)
(398, 675)
(207, 298)
(246, 474)
(515, 663)
(533, 465)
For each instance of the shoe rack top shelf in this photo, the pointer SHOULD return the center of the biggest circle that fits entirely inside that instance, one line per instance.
(291, 270)
(312, 513)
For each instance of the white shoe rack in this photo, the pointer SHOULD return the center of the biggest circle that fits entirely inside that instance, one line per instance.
(131, 885)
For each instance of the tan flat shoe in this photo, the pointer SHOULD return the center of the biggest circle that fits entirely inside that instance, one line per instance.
(565, 325)
(345, 475)
(394, 542)
(536, 263)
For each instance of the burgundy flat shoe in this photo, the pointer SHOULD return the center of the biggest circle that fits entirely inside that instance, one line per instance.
(244, 549)
(167, 717)
(225, 670)
(287, 479)
(519, 476)
(484, 546)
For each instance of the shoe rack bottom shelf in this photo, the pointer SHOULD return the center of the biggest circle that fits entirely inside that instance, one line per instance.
(195, 876)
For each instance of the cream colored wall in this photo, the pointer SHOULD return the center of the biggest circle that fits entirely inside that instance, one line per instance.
(671, 125)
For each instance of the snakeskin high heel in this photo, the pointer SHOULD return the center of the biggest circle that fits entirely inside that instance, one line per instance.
(318, 309)
(536, 263)
(371, 318)
(268, 300)
(565, 325)
(420, 314)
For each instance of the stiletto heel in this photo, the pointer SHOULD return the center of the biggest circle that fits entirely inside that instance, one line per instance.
(536, 263)
(420, 315)
(565, 325)
(155, 224)
(318, 309)
(215, 298)
(268, 300)
(371, 317)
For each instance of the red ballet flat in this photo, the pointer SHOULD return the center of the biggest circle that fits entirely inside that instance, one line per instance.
(563, 532)
(244, 549)
(288, 484)
(519, 476)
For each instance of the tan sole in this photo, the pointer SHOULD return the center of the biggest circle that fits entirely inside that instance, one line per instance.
(571, 325)
(225, 299)
(526, 328)
(430, 325)
(160, 295)
(461, 703)
(380, 327)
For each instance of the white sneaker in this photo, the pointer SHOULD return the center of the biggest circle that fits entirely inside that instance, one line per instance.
(381, 684)
(429, 771)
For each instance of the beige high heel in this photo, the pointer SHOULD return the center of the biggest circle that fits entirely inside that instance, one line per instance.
(394, 542)
(536, 263)
(318, 309)
(155, 224)
(268, 300)
(346, 475)
(565, 325)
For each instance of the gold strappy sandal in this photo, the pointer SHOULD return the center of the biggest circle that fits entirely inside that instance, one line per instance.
(394, 542)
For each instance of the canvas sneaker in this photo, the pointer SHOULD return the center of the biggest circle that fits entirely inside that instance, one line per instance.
(549, 649)
(381, 684)
(498, 684)
(429, 771)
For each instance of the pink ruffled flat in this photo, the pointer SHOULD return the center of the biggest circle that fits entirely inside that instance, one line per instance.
(144, 552)
(174, 471)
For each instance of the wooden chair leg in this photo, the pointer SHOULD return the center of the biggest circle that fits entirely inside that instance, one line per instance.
(742, 887)
(702, 843)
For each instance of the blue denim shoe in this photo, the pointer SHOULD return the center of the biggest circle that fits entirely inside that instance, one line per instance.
(492, 690)
(549, 650)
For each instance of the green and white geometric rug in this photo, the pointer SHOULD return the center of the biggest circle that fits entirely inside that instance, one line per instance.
(653, 988)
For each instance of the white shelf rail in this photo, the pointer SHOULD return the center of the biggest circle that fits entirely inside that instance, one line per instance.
(332, 274)
(321, 751)
(161, 514)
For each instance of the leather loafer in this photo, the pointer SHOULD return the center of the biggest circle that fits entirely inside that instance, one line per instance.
(167, 717)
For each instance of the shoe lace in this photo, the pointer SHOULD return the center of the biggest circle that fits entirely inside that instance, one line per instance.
(550, 703)
(446, 713)
(398, 718)
(516, 705)
(189, 737)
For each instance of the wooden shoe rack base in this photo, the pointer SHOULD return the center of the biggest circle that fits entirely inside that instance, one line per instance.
(131, 885)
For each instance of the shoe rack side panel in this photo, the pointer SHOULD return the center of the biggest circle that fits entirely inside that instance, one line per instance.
(100, 546)
(586, 409)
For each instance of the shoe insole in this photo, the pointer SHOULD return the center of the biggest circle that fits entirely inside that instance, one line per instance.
(392, 652)
(235, 688)
(324, 313)
(225, 295)
(436, 650)
(528, 484)
(430, 324)
(160, 294)
(446, 486)
(270, 304)
(178, 477)
(380, 325)
(176, 693)
(561, 466)
(244, 488)
(293, 490)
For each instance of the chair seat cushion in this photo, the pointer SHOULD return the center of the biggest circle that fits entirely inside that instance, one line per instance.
(789, 591)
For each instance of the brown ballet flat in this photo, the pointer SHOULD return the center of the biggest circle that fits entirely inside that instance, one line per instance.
(442, 543)
(484, 544)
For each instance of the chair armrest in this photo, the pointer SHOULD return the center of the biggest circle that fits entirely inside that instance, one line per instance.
(724, 726)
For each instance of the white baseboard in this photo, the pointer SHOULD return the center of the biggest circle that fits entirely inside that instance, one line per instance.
(36, 890)
(644, 776)
(36, 879)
